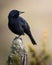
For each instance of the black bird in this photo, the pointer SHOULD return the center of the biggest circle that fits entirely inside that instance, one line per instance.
(18, 25)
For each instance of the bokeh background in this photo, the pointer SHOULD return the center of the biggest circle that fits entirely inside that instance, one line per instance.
(38, 14)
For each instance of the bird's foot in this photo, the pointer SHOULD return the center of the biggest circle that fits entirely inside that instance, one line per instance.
(17, 37)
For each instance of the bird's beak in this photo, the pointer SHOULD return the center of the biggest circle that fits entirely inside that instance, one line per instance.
(20, 13)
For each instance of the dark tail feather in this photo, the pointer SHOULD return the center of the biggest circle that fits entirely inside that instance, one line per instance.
(32, 39)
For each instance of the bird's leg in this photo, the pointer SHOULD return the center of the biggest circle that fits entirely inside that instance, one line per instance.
(18, 36)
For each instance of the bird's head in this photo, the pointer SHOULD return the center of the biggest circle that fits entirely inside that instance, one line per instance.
(14, 14)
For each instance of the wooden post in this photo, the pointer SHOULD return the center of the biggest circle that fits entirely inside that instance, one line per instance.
(17, 55)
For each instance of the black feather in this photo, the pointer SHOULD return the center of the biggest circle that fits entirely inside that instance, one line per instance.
(18, 25)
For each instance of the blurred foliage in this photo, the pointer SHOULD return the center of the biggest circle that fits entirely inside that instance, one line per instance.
(32, 51)
(33, 61)
(43, 56)
(38, 59)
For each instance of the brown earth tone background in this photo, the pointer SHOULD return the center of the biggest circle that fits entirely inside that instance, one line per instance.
(38, 14)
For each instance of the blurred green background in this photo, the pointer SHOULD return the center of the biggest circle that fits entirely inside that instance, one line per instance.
(38, 14)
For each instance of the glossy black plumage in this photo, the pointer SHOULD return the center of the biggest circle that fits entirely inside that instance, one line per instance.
(18, 25)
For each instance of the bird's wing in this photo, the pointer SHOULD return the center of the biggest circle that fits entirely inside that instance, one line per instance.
(19, 29)
(24, 23)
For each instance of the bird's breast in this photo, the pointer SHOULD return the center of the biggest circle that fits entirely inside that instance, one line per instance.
(12, 27)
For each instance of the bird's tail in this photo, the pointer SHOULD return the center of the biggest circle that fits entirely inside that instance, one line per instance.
(32, 39)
